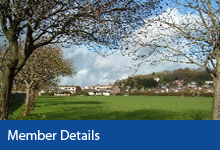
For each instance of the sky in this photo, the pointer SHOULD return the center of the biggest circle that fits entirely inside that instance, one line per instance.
(93, 69)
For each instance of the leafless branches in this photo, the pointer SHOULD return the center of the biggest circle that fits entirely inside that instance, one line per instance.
(191, 36)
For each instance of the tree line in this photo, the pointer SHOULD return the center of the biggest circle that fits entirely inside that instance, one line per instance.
(166, 77)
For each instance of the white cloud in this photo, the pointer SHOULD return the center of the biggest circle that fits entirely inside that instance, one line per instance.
(93, 69)
(171, 36)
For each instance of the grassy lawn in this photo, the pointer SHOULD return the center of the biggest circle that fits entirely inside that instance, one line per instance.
(119, 108)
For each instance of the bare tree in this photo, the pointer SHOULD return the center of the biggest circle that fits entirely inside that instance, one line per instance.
(97, 23)
(187, 34)
(44, 67)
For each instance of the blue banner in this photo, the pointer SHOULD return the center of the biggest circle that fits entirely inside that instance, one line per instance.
(110, 135)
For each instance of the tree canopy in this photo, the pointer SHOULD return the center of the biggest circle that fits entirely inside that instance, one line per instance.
(187, 32)
(101, 24)
(43, 68)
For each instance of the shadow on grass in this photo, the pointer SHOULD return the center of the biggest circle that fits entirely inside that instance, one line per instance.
(94, 110)
(15, 110)
(97, 113)
(14, 106)
(198, 114)
(94, 113)
(86, 113)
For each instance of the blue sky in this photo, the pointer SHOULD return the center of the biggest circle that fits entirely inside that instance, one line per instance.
(93, 69)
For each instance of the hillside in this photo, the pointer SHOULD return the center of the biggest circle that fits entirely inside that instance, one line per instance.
(185, 75)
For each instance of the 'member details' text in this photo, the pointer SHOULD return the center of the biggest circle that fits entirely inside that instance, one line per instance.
(64, 135)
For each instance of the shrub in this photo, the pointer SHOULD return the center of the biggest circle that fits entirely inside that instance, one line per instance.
(47, 94)
(85, 93)
(180, 94)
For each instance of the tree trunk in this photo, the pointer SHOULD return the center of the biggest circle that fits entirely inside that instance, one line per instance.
(5, 91)
(216, 78)
(216, 100)
(33, 98)
(27, 101)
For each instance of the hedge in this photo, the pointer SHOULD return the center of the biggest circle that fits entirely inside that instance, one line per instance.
(185, 94)
(17, 97)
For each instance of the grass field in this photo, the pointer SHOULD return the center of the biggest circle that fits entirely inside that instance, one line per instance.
(119, 108)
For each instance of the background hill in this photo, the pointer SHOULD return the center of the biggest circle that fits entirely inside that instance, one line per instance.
(185, 75)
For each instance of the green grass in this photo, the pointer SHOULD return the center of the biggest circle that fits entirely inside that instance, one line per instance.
(119, 108)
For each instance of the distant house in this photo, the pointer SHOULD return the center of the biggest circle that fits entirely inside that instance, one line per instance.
(61, 92)
(71, 89)
(95, 92)
(107, 87)
(98, 93)
(91, 93)
(192, 85)
(106, 94)
(179, 83)
(99, 90)
(157, 79)
(208, 84)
